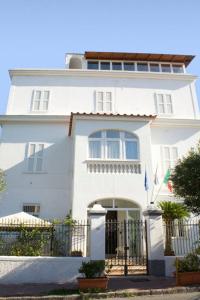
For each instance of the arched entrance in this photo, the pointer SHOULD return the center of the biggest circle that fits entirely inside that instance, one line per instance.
(125, 241)
(119, 209)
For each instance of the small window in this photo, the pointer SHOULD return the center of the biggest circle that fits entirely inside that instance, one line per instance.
(104, 101)
(40, 101)
(116, 66)
(105, 65)
(177, 68)
(164, 104)
(93, 65)
(154, 68)
(166, 68)
(170, 157)
(35, 158)
(129, 66)
(32, 209)
(142, 67)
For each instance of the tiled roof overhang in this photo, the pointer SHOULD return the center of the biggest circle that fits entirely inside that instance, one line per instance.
(131, 116)
(170, 58)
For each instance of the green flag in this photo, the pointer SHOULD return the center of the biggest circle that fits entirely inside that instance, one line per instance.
(166, 180)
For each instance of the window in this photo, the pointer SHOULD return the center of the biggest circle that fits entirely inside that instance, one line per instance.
(129, 66)
(177, 68)
(143, 67)
(170, 155)
(93, 65)
(116, 66)
(35, 157)
(166, 68)
(40, 100)
(104, 101)
(105, 65)
(113, 144)
(164, 104)
(154, 68)
(32, 209)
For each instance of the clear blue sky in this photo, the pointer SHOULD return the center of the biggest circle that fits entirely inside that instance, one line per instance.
(37, 33)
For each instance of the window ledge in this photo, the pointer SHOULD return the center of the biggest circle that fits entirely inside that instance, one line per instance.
(38, 111)
(113, 166)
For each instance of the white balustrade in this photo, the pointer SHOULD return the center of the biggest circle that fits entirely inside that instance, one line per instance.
(121, 167)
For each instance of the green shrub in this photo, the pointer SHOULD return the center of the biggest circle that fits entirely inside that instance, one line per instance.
(190, 263)
(93, 269)
(30, 242)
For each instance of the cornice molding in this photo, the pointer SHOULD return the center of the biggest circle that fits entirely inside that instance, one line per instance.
(99, 73)
(167, 122)
(34, 119)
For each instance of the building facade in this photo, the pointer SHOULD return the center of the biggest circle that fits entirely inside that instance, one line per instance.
(89, 133)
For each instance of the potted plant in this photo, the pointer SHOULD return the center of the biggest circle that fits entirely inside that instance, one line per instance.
(188, 270)
(94, 275)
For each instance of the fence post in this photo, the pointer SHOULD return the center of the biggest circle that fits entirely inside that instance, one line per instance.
(97, 232)
(155, 241)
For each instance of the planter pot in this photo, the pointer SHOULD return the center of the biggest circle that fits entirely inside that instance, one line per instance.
(93, 283)
(187, 278)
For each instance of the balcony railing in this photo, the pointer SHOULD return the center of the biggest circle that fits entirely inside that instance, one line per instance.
(121, 167)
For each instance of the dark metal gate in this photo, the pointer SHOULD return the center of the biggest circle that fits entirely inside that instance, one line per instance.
(126, 247)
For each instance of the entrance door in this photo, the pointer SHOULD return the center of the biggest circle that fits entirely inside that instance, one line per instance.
(111, 233)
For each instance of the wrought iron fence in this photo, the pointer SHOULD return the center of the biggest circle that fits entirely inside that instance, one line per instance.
(44, 238)
(182, 237)
(126, 247)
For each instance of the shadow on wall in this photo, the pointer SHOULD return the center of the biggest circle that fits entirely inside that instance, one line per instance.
(16, 270)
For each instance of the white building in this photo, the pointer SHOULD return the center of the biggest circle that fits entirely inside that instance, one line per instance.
(86, 134)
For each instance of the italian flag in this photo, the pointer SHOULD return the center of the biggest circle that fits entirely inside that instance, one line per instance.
(167, 181)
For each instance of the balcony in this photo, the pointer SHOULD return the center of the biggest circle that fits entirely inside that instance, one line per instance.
(115, 167)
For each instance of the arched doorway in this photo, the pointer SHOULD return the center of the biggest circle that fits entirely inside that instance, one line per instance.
(119, 210)
(125, 241)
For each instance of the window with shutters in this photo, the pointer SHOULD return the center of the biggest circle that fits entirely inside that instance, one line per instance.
(170, 157)
(40, 101)
(35, 158)
(164, 104)
(104, 101)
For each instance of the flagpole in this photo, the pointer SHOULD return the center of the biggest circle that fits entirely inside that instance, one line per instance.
(165, 180)
(147, 198)
(155, 182)
(146, 185)
(158, 191)
(152, 195)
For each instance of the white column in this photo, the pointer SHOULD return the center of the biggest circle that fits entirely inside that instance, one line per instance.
(155, 241)
(97, 232)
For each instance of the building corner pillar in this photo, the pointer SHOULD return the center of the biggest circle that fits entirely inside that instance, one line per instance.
(97, 232)
(155, 241)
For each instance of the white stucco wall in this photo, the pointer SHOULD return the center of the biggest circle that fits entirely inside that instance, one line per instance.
(18, 270)
(89, 187)
(70, 93)
(51, 188)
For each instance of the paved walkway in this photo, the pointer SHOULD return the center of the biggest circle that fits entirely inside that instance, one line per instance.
(138, 283)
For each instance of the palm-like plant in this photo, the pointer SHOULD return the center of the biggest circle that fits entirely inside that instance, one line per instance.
(171, 211)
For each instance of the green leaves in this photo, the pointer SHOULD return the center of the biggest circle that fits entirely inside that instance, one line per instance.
(93, 269)
(173, 210)
(186, 180)
(30, 242)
